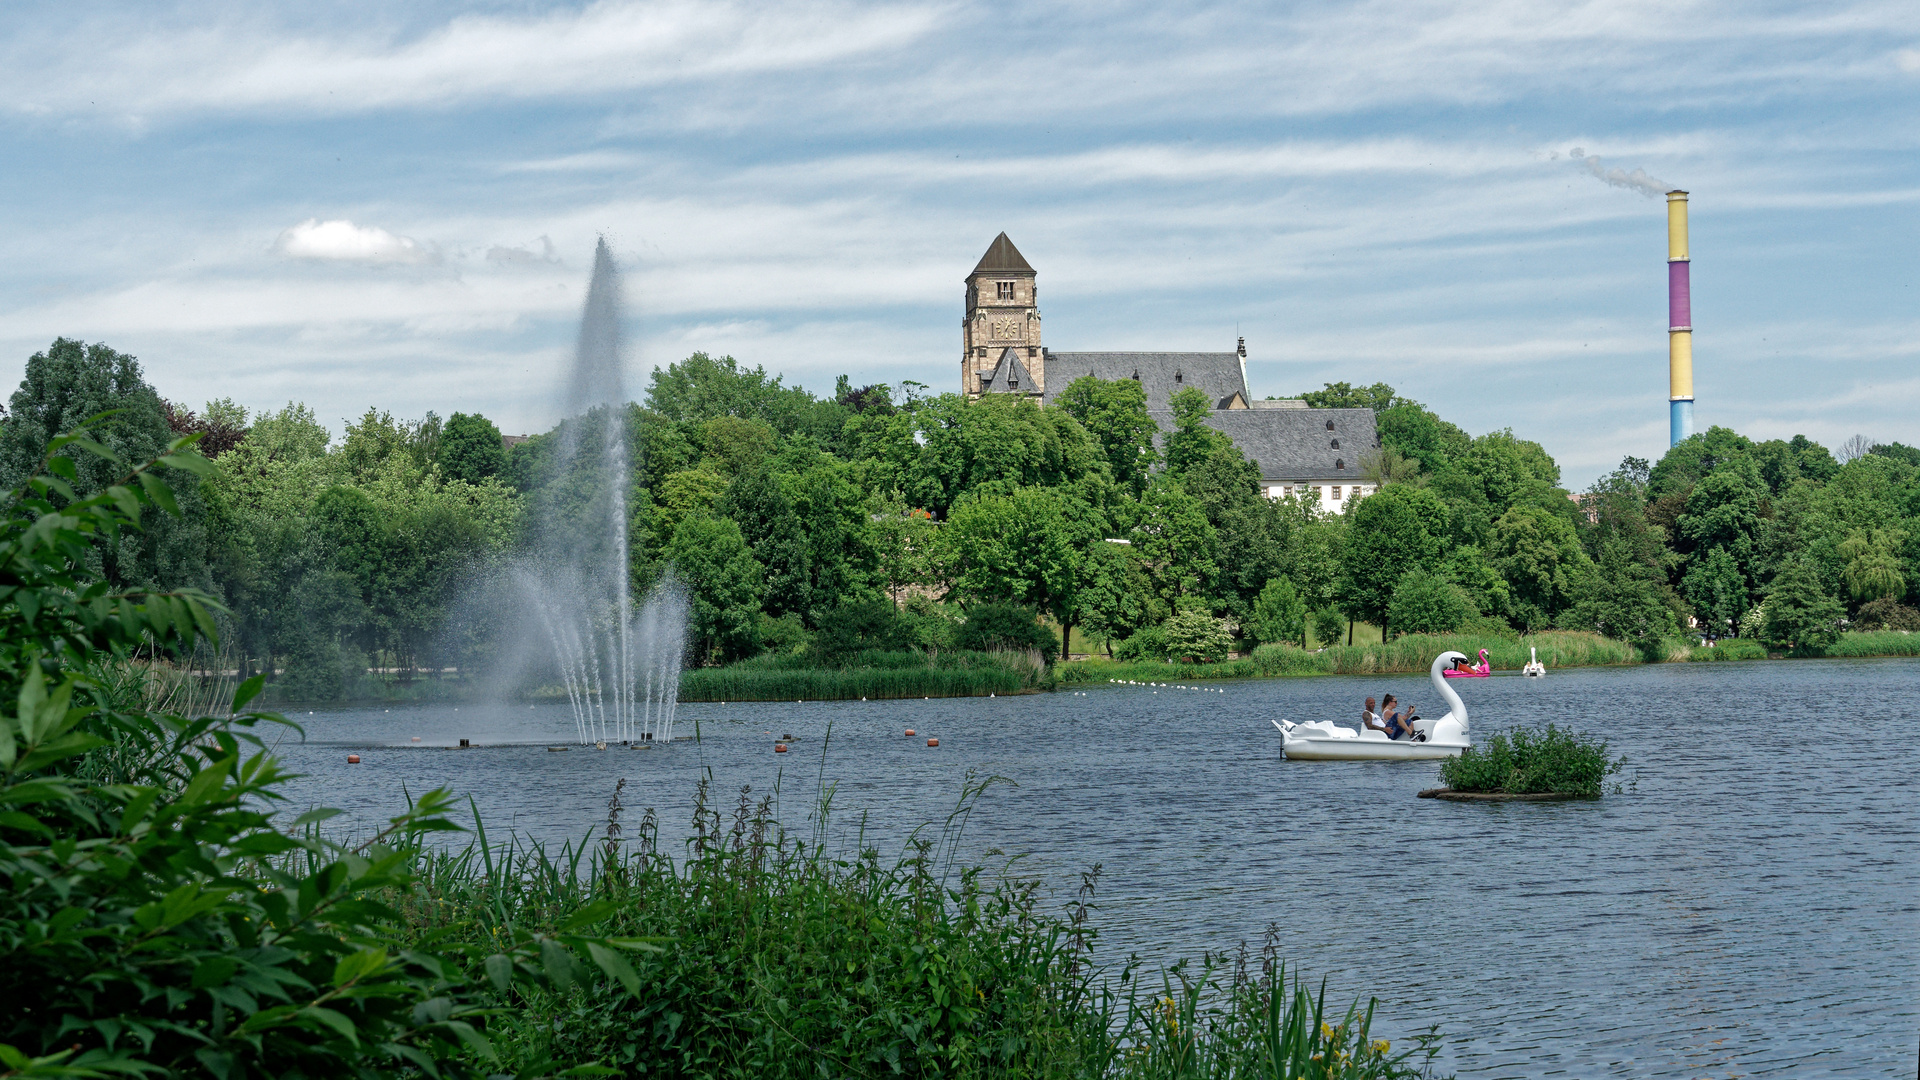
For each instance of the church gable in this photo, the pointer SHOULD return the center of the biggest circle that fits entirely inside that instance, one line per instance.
(1009, 376)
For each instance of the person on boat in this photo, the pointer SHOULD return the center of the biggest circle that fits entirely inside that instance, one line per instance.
(1398, 720)
(1461, 665)
(1371, 720)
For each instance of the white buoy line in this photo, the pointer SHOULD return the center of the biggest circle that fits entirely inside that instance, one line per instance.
(1169, 686)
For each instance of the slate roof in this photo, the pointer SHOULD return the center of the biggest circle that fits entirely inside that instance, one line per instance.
(1002, 257)
(1215, 374)
(1291, 445)
(1009, 376)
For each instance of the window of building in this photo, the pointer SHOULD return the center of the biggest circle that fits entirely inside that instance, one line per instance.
(1336, 493)
(1005, 289)
(1329, 425)
(1336, 444)
(1339, 463)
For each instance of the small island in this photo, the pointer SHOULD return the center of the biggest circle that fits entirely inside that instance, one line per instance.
(1529, 766)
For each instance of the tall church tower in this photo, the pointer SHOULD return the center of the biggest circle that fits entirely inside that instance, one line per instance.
(1000, 336)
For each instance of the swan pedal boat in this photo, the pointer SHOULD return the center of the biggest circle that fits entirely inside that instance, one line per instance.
(1481, 670)
(1323, 740)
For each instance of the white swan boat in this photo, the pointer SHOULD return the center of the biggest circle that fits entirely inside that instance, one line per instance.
(1323, 740)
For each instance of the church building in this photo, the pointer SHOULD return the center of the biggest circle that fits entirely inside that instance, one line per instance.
(1296, 448)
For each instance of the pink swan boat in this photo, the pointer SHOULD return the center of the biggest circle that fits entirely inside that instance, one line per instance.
(1480, 671)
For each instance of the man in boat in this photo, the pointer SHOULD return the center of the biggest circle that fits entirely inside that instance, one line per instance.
(1461, 665)
(1371, 720)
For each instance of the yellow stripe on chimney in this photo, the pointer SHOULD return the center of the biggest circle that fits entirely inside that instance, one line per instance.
(1680, 364)
(1676, 225)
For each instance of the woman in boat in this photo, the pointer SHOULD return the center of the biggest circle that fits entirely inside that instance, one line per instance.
(1398, 721)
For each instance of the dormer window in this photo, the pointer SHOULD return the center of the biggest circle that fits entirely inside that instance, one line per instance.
(1004, 289)
(1136, 374)
(1329, 425)
(1339, 463)
(1178, 376)
(1336, 445)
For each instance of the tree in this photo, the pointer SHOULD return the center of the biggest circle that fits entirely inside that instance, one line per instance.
(1379, 397)
(1001, 626)
(1412, 431)
(1279, 614)
(1327, 626)
(1394, 530)
(1112, 599)
(723, 586)
(702, 387)
(1624, 600)
(62, 389)
(1801, 614)
(471, 448)
(1196, 637)
(1717, 591)
(1426, 603)
(995, 444)
(1873, 564)
(1541, 558)
(1114, 412)
(1192, 442)
(1016, 548)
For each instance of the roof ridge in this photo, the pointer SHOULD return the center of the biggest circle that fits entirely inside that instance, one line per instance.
(1002, 255)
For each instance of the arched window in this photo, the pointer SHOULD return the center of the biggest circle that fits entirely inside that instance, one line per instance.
(1329, 425)
(1339, 463)
(1336, 444)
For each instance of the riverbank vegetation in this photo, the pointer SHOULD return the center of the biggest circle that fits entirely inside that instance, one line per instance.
(1556, 761)
(350, 563)
(155, 919)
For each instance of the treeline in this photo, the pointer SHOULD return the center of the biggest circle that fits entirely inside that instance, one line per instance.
(889, 518)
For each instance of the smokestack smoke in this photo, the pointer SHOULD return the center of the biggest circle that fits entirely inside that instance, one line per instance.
(1637, 180)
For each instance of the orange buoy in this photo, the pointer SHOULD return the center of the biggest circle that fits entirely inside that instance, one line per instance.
(909, 733)
(779, 748)
(353, 759)
(933, 742)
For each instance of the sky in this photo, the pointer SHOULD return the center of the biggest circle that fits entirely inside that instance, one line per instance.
(395, 204)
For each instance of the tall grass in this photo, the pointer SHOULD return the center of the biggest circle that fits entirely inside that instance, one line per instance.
(777, 960)
(1876, 643)
(1557, 761)
(873, 674)
(1412, 653)
(1729, 649)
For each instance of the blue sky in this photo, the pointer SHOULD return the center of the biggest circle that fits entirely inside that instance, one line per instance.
(1373, 191)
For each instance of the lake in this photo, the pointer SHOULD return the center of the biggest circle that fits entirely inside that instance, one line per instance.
(1751, 907)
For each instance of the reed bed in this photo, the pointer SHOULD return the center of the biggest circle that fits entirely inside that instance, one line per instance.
(1729, 649)
(774, 959)
(1411, 654)
(1876, 643)
(874, 675)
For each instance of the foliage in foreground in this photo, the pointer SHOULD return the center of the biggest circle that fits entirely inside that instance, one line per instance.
(788, 962)
(1523, 762)
(153, 921)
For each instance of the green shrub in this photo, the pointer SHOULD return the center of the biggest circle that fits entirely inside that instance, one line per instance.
(1886, 614)
(1523, 762)
(1005, 627)
(1146, 643)
(1426, 603)
(1196, 637)
(861, 626)
(1730, 649)
(1279, 615)
(1876, 643)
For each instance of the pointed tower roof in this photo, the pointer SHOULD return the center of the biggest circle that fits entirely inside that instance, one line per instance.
(1002, 256)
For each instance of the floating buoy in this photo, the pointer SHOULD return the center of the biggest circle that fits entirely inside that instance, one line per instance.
(600, 746)
(779, 748)
(933, 742)
(556, 749)
(416, 738)
(353, 759)
(909, 733)
(786, 738)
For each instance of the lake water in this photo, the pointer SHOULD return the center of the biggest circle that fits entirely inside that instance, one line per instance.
(1750, 908)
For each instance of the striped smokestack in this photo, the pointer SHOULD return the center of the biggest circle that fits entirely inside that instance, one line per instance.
(1679, 319)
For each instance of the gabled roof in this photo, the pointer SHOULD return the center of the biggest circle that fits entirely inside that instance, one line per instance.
(1161, 374)
(1002, 256)
(1009, 376)
(1294, 444)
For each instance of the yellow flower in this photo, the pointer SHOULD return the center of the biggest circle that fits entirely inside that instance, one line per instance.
(1326, 1031)
(1380, 1046)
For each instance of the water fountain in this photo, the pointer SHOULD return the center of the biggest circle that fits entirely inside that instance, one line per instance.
(621, 670)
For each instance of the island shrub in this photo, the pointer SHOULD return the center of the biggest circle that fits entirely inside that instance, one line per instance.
(1730, 649)
(1533, 762)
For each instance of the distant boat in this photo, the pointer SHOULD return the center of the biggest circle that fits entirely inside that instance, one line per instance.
(1323, 740)
(1481, 671)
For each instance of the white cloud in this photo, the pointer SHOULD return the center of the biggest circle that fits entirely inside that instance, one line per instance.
(346, 242)
(1908, 59)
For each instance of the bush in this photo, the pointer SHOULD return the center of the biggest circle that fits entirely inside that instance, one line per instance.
(1005, 627)
(850, 628)
(1886, 614)
(1279, 615)
(1329, 627)
(1197, 637)
(1146, 643)
(1730, 649)
(1876, 643)
(1522, 762)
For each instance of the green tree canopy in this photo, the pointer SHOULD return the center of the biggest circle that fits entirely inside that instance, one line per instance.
(471, 449)
(1114, 413)
(1390, 532)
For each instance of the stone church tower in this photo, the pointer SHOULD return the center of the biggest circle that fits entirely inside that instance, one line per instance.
(1000, 336)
